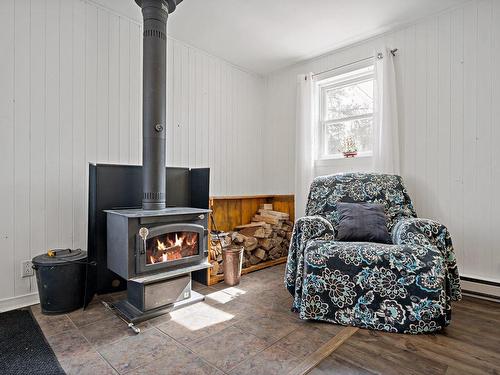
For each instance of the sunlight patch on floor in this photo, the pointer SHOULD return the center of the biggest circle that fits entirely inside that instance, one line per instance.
(204, 316)
(234, 291)
(225, 295)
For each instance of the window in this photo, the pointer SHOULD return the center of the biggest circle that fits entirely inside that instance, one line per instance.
(346, 112)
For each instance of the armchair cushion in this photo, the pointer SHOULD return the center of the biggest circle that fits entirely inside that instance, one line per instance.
(394, 288)
(362, 222)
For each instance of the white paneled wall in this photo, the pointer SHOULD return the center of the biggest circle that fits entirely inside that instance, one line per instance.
(70, 94)
(449, 100)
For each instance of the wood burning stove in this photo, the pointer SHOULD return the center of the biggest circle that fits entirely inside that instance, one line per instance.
(155, 248)
(147, 242)
(156, 251)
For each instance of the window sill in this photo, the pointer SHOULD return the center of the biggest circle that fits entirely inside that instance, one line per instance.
(341, 159)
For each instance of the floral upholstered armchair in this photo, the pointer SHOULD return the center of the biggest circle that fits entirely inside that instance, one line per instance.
(404, 287)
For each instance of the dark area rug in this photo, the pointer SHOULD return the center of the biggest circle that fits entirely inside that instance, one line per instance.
(23, 348)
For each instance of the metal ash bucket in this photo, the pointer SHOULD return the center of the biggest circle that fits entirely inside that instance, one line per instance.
(233, 258)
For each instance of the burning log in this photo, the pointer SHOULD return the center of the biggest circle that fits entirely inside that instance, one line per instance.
(161, 247)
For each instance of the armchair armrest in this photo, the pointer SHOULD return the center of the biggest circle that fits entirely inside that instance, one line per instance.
(306, 228)
(429, 233)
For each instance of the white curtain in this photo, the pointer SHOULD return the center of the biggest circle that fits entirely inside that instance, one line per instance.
(386, 134)
(304, 149)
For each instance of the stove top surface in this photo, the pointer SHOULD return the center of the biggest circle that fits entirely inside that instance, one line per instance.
(169, 211)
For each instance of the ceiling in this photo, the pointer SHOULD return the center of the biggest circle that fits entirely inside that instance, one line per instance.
(265, 35)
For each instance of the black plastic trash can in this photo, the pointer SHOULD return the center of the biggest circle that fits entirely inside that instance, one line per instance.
(60, 275)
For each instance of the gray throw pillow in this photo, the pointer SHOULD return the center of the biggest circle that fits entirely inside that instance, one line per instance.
(362, 222)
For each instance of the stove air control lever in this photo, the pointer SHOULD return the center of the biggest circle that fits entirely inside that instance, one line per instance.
(143, 232)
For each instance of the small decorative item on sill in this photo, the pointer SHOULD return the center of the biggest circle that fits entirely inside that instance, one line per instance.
(349, 148)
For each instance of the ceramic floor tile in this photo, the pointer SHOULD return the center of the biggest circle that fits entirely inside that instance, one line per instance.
(196, 321)
(228, 348)
(199, 287)
(36, 310)
(89, 363)
(239, 308)
(69, 343)
(52, 324)
(223, 295)
(283, 292)
(269, 326)
(272, 361)
(233, 300)
(229, 330)
(305, 340)
(180, 362)
(256, 284)
(92, 313)
(105, 332)
(154, 322)
(323, 326)
(131, 352)
(109, 297)
(268, 300)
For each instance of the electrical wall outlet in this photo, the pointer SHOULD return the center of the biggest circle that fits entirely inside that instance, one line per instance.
(26, 268)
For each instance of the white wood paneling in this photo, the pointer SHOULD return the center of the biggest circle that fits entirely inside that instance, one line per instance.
(7, 94)
(70, 94)
(448, 80)
(78, 142)
(495, 134)
(66, 65)
(21, 141)
(37, 126)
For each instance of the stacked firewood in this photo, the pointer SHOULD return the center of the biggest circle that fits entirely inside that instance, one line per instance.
(266, 238)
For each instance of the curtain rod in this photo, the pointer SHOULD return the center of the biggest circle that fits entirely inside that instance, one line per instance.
(379, 56)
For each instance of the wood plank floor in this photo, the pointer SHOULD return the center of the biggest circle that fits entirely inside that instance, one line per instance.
(470, 345)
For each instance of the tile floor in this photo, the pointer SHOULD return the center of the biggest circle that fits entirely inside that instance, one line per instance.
(247, 329)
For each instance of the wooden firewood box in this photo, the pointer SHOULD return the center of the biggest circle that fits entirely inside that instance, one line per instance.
(233, 214)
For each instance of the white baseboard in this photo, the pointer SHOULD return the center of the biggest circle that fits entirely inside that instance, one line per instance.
(17, 302)
(479, 288)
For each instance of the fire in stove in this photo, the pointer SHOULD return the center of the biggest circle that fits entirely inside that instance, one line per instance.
(171, 246)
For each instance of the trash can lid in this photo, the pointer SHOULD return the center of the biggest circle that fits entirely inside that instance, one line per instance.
(60, 256)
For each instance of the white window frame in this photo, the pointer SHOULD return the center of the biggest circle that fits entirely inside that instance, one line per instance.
(333, 81)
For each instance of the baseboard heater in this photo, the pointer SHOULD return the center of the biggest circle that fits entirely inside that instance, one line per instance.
(480, 288)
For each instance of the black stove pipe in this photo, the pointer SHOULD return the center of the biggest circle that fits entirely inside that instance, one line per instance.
(155, 15)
